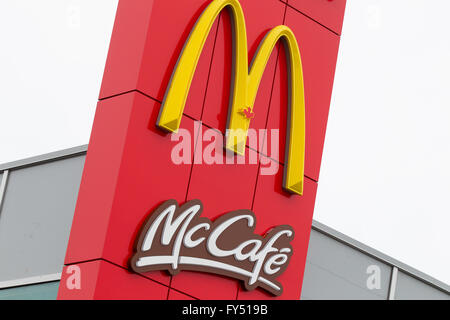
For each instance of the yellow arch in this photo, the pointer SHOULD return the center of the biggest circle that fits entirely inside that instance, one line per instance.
(244, 87)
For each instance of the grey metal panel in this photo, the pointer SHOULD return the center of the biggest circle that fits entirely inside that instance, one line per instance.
(36, 218)
(409, 288)
(337, 271)
(316, 225)
(43, 291)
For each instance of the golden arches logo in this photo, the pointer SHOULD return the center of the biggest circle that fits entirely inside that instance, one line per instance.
(244, 86)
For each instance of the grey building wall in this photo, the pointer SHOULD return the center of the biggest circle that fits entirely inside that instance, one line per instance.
(335, 270)
(37, 201)
(410, 288)
(36, 217)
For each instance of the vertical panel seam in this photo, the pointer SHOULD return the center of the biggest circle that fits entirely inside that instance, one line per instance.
(393, 283)
(3, 188)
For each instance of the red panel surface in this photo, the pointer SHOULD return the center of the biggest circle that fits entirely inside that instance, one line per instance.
(103, 281)
(222, 188)
(147, 39)
(330, 13)
(261, 16)
(175, 295)
(273, 206)
(318, 48)
(128, 172)
(88, 272)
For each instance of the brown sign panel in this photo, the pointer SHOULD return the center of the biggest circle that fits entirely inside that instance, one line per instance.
(176, 238)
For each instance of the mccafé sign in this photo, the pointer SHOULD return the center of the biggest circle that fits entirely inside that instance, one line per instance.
(178, 238)
(226, 222)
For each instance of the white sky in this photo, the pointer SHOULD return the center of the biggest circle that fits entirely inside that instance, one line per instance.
(385, 177)
(52, 56)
